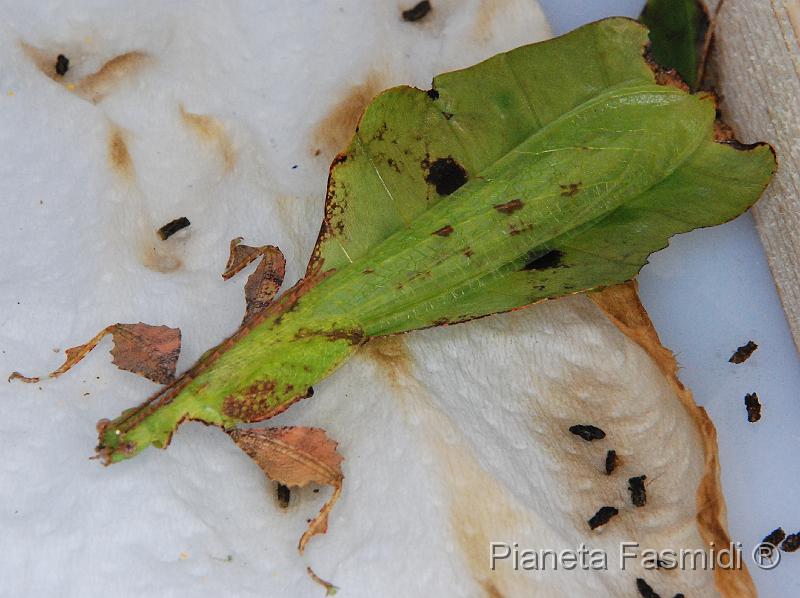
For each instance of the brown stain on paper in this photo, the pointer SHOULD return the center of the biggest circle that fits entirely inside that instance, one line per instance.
(484, 20)
(479, 505)
(160, 260)
(155, 254)
(391, 356)
(211, 131)
(98, 85)
(119, 158)
(44, 61)
(336, 129)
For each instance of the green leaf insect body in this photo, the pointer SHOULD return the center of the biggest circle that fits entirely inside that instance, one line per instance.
(545, 171)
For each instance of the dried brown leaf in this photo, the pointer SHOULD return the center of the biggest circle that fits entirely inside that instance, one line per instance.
(150, 351)
(296, 456)
(239, 258)
(265, 282)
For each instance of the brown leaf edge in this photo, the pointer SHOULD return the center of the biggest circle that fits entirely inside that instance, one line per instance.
(264, 283)
(144, 349)
(623, 308)
(296, 457)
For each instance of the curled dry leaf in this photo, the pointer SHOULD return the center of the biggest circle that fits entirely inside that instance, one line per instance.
(150, 351)
(263, 284)
(296, 457)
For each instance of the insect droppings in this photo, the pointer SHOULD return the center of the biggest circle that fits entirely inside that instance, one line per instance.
(791, 543)
(417, 12)
(587, 432)
(637, 490)
(611, 461)
(602, 516)
(773, 540)
(172, 227)
(743, 353)
(283, 494)
(644, 589)
(62, 65)
(753, 406)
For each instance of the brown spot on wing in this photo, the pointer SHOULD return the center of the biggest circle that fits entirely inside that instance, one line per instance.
(119, 158)
(211, 131)
(570, 189)
(98, 85)
(250, 403)
(336, 129)
(445, 231)
(509, 207)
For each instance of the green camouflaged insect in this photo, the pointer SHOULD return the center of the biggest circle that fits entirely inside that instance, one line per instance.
(548, 170)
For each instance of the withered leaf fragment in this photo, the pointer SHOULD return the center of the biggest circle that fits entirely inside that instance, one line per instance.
(743, 353)
(296, 457)
(753, 406)
(602, 516)
(150, 351)
(637, 490)
(265, 282)
(587, 432)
